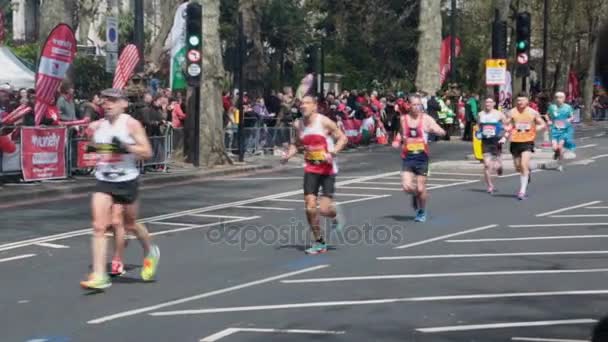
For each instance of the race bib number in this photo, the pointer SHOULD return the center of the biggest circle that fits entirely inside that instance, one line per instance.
(109, 158)
(316, 156)
(489, 131)
(523, 126)
(415, 147)
(559, 124)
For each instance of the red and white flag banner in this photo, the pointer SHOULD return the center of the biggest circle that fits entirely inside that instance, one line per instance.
(128, 60)
(16, 115)
(445, 57)
(57, 56)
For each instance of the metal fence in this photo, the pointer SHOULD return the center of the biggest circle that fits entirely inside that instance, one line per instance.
(79, 162)
(259, 140)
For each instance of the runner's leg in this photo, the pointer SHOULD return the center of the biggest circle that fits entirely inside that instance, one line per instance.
(140, 231)
(102, 218)
(119, 239)
(525, 171)
(408, 185)
(487, 170)
(312, 215)
(422, 193)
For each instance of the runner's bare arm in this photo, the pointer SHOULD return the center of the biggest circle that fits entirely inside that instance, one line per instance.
(141, 148)
(398, 135)
(540, 123)
(432, 126)
(336, 133)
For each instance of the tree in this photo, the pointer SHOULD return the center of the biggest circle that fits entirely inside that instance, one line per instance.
(211, 130)
(255, 67)
(429, 45)
(87, 10)
(168, 8)
(55, 12)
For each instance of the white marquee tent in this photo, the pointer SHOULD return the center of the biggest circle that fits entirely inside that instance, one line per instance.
(13, 71)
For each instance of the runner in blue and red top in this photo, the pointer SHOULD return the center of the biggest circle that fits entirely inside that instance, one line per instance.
(316, 134)
(414, 142)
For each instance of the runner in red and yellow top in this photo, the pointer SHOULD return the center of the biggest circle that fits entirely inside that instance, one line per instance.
(524, 122)
(413, 139)
(316, 134)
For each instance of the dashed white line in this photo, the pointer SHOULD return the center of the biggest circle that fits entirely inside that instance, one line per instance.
(177, 224)
(52, 245)
(587, 146)
(287, 200)
(18, 257)
(231, 331)
(550, 225)
(579, 215)
(487, 255)
(530, 238)
(441, 275)
(567, 208)
(443, 237)
(599, 156)
(380, 301)
(202, 295)
(506, 325)
(217, 216)
(263, 208)
(540, 339)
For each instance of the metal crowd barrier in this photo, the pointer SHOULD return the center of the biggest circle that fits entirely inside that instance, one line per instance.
(259, 140)
(78, 162)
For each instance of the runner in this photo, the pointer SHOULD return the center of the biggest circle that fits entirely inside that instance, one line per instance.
(491, 131)
(524, 122)
(315, 133)
(119, 141)
(415, 127)
(561, 116)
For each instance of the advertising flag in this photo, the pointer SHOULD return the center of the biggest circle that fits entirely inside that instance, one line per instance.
(177, 41)
(126, 66)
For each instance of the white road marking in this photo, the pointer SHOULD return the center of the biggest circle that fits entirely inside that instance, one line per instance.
(567, 208)
(486, 255)
(287, 200)
(362, 199)
(456, 174)
(87, 231)
(193, 227)
(230, 331)
(18, 257)
(379, 301)
(589, 224)
(263, 208)
(449, 179)
(599, 135)
(532, 238)
(506, 325)
(442, 237)
(177, 224)
(596, 208)
(451, 185)
(599, 156)
(586, 146)
(381, 183)
(218, 216)
(203, 295)
(539, 339)
(585, 138)
(370, 188)
(440, 275)
(579, 215)
(51, 245)
(354, 195)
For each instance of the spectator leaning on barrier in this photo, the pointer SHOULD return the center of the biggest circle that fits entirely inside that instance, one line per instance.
(65, 103)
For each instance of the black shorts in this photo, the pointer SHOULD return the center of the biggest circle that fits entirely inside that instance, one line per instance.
(517, 148)
(491, 146)
(417, 167)
(121, 192)
(313, 182)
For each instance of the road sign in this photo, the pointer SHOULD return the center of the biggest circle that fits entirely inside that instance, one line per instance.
(111, 43)
(194, 56)
(522, 58)
(496, 72)
(194, 70)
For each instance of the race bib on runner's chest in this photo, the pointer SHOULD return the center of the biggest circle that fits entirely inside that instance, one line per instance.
(316, 156)
(488, 131)
(523, 126)
(561, 124)
(414, 147)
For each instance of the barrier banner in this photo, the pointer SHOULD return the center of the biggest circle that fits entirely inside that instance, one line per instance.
(84, 160)
(43, 153)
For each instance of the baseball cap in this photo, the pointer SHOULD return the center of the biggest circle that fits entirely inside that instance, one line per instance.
(114, 93)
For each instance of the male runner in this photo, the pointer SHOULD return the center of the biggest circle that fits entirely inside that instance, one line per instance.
(491, 131)
(315, 133)
(561, 116)
(524, 122)
(119, 141)
(415, 127)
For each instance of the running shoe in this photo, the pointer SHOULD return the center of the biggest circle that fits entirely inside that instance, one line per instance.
(560, 168)
(118, 268)
(148, 272)
(317, 248)
(339, 221)
(522, 196)
(420, 216)
(491, 190)
(96, 282)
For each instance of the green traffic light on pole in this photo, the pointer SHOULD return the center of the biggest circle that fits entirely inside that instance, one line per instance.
(521, 45)
(194, 40)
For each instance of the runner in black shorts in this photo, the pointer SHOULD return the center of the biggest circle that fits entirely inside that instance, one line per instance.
(491, 132)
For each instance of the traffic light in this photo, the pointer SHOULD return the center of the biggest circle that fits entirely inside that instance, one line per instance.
(522, 43)
(194, 43)
(499, 39)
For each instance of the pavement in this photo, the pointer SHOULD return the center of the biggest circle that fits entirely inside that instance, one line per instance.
(232, 268)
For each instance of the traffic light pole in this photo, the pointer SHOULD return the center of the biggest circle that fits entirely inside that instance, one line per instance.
(241, 61)
(139, 31)
(196, 157)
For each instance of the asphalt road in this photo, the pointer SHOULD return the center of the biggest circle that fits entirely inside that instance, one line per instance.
(483, 268)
